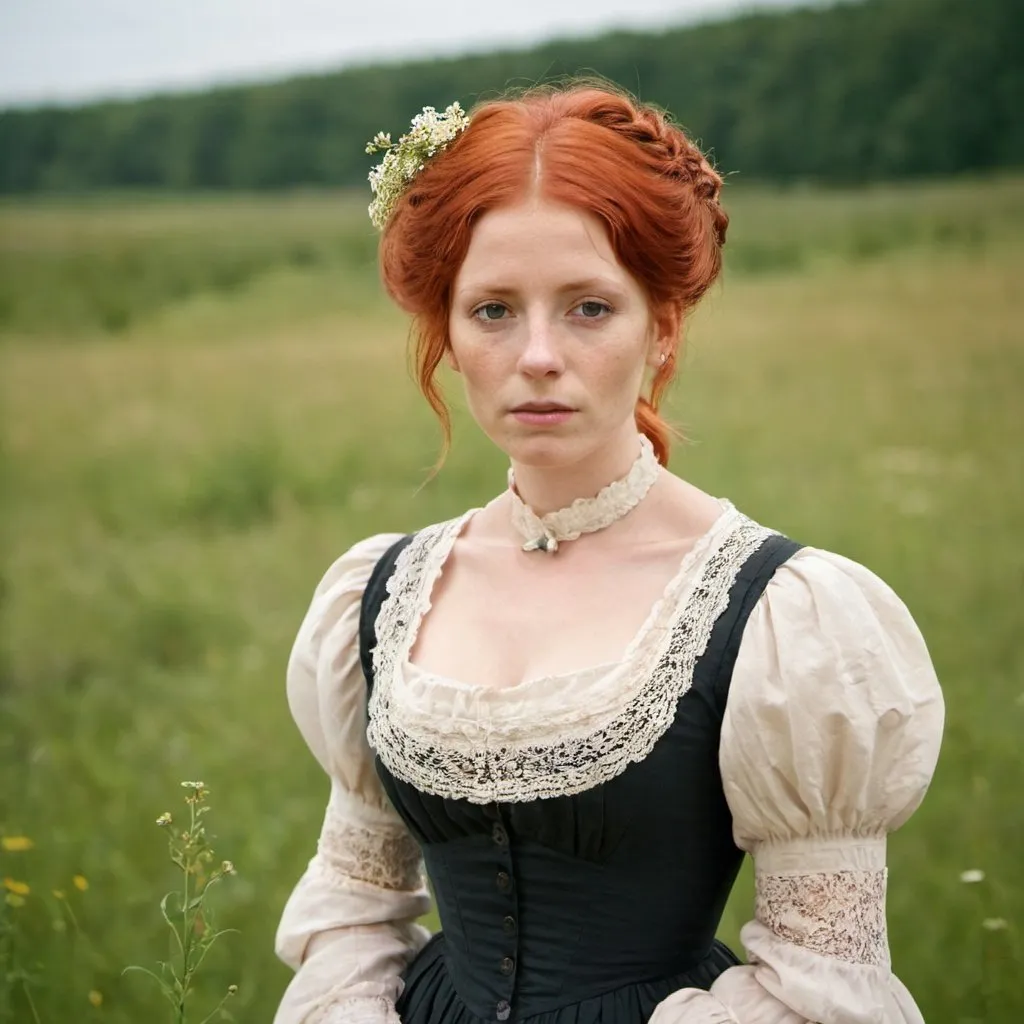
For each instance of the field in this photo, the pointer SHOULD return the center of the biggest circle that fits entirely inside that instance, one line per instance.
(205, 400)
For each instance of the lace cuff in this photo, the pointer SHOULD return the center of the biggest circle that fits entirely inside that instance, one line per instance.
(386, 855)
(838, 914)
(355, 1011)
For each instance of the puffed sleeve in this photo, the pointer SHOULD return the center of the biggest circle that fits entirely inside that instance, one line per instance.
(349, 927)
(830, 737)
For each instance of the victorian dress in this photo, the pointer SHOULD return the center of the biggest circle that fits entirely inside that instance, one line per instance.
(581, 832)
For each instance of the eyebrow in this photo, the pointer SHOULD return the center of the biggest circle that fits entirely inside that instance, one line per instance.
(583, 285)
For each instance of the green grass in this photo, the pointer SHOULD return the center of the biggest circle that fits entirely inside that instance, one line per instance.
(177, 479)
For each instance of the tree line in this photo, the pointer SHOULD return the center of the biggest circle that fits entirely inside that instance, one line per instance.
(854, 92)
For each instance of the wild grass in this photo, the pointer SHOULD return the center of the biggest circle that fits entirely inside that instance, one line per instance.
(176, 479)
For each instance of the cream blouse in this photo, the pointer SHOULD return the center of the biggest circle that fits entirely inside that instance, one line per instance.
(829, 741)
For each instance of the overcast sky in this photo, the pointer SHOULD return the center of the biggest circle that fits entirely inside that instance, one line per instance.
(82, 49)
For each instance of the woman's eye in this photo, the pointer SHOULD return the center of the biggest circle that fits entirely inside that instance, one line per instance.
(593, 310)
(491, 311)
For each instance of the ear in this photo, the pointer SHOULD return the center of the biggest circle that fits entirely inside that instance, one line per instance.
(449, 358)
(664, 335)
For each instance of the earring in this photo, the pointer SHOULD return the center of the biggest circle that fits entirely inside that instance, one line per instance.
(662, 358)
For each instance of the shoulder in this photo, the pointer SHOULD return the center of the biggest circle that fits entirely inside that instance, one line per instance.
(830, 623)
(340, 589)
(333, 613)
(356, 563)
(818, 573)
(824, 608)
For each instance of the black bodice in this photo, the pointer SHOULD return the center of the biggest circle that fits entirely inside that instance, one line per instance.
(592, 907)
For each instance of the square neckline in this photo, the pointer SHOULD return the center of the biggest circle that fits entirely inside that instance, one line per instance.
(485, 744)
(434, 570)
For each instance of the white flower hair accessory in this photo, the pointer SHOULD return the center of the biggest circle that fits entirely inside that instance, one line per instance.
(430, 133)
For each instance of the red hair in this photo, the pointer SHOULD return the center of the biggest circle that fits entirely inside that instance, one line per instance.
(583, 146)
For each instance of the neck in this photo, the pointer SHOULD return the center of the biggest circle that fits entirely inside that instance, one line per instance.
(549, 488)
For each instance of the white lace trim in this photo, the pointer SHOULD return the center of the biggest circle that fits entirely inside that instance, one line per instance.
(336, 1008)
(838, 914)
(559, 747)
(388, 858)
(585, 515)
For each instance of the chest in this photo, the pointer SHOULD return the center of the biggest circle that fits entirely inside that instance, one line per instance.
(500, 618)
(465, 736)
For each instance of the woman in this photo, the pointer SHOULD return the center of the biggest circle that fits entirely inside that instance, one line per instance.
(583, 702)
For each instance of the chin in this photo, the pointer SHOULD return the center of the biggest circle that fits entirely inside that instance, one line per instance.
(544, 448)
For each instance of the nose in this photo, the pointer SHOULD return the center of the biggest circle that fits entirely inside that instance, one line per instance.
(541, 355)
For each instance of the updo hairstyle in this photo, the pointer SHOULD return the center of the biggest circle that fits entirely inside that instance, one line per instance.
(583, 146)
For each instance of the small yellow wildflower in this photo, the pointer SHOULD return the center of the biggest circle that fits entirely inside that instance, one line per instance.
(96, 998)
(16, 844)
(14, 900)
(232, 990)
(81, 882)
(59, 894)
(18, 888)
(164, 820)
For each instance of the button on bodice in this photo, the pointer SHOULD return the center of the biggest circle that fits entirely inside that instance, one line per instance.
(550, 901)
(549, 930)
(616, 888)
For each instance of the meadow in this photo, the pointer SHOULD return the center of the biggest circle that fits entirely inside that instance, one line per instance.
(206, 399)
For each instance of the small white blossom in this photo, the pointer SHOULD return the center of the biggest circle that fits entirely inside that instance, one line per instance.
(429, 134)
(972, 875)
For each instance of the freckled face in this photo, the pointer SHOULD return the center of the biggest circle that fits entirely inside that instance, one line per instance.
(550, 334)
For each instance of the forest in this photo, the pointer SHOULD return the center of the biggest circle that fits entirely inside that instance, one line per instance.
(846, 94)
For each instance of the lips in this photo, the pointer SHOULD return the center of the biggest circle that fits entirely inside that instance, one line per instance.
(543, 407)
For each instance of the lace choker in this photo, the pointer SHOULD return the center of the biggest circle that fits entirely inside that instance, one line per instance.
(585, 515)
